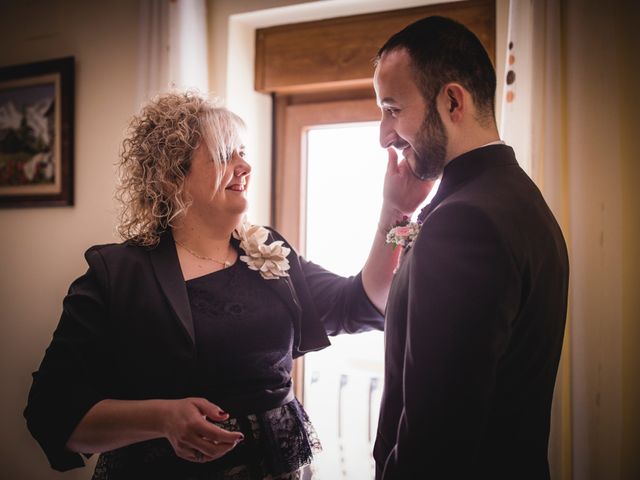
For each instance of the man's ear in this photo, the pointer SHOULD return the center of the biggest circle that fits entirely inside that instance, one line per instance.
(454, 101)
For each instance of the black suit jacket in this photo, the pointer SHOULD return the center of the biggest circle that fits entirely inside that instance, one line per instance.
(126, 332)
(474, 329)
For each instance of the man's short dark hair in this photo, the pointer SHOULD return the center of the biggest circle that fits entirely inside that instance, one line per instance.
(443, 50)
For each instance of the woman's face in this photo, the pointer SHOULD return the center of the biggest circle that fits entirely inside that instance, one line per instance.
(231, 196)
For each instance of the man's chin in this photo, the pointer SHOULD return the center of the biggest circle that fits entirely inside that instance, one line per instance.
(429, 171)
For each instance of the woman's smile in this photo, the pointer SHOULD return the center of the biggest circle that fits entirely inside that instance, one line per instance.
(237, 187)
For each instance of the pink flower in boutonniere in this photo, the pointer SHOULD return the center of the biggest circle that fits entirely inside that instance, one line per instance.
(403, 233)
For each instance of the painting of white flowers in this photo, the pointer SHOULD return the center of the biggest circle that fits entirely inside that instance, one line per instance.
(36, 134)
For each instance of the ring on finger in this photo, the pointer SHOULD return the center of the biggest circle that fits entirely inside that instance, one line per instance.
(215, 442)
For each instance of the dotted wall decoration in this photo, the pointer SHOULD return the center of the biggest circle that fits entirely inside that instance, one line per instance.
(511, 75)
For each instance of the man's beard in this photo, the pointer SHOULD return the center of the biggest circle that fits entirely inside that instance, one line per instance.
(431, 146)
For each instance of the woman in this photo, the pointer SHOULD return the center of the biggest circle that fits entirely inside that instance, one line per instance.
(174, 351)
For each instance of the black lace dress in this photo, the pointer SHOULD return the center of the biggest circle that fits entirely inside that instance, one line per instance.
(244, 335)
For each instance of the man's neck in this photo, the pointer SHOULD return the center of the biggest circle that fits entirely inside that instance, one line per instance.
(470, 141)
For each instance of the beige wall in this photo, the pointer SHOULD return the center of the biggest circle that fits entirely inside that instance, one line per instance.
(604, 205)
(41, 248)
(629, 102)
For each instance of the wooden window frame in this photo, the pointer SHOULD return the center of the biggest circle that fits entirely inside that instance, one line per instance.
(337, 53)
(289, 183)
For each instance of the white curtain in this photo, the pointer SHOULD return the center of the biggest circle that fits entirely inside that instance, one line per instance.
(172, 47)
(517, 118)
(533, 124)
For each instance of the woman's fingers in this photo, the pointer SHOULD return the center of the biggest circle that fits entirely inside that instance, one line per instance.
(211, 449)
(191, 433)
(216, 434)
(201, 449)
(210, 410)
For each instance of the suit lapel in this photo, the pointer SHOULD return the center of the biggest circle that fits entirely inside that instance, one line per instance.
(285, 291)
(164, 259)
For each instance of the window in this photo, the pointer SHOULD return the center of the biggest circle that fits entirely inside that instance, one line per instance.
(343, 383)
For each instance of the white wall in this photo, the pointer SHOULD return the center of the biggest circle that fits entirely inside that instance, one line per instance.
(41, 248)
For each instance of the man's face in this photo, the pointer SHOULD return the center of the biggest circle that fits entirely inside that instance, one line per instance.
(408, 122)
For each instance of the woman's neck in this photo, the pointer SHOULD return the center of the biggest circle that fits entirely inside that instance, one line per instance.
(206, 239)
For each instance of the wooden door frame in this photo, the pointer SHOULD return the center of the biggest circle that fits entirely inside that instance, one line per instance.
(290, 163)
(289, 204)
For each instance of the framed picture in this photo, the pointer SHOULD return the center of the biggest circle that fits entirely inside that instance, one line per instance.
(36, 134)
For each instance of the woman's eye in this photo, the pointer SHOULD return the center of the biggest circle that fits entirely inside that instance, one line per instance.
(392, 111)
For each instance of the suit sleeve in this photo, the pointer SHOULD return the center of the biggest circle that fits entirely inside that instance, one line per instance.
(463, 294)
(341, 302)
(65, 385)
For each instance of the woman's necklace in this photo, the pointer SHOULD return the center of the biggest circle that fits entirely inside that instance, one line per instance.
(224, 264)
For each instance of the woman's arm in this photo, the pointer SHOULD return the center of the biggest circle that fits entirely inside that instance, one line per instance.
(66, 385)
(69, 409)
(112, 424)
(354, 304)
(402, 195)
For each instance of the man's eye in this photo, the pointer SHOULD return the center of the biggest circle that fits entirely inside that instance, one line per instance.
(392, 111)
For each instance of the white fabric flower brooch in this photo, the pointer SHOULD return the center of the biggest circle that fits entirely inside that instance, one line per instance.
(270, 260)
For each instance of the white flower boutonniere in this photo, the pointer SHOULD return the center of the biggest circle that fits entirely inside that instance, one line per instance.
(403, 233)
(270, 260)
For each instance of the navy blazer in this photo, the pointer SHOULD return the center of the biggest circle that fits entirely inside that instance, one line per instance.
(474, 329)
(126, 332)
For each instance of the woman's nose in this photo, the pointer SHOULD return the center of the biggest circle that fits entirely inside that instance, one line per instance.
(242, 167)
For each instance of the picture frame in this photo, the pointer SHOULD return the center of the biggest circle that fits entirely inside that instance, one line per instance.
(37, 133)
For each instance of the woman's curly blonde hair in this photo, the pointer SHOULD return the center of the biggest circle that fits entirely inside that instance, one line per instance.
(156, 158)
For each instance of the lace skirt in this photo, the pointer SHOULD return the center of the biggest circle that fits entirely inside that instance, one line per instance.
(277, 444)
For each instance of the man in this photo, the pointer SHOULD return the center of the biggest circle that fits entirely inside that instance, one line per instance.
(476, 313)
